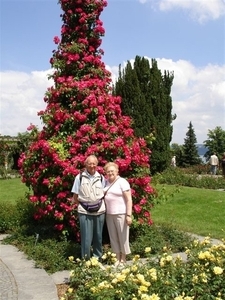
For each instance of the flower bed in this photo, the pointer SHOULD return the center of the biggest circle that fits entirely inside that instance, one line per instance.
(201, 277)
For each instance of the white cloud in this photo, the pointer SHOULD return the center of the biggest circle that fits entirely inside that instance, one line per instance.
(21, 99)
(200, 10)
(198, 96)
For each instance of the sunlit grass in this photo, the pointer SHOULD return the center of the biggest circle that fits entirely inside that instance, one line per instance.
(12, 189)
(199, 211)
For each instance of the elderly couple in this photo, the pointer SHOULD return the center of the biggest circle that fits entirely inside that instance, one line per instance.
(98, 198)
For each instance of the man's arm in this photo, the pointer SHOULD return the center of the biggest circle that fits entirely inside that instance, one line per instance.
(75, 199)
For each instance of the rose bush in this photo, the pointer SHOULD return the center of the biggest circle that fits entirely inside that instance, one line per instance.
(82, 118)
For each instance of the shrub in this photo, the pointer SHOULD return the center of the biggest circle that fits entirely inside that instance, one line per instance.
(158, 237)
(8, 216)
(185, 178)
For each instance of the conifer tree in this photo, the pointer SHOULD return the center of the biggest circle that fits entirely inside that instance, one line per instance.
(82, 118)
(190, 150)
(148, 102)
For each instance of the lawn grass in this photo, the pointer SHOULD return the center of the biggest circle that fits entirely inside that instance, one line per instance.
(12, 190)
(194, 210)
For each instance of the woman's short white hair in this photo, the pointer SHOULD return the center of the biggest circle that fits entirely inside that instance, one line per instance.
(111, 164)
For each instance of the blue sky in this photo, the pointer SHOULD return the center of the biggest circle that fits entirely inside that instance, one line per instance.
(184, 36)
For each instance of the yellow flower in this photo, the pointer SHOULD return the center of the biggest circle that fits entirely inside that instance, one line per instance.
(143, 288)
(70, 290)
(94, 261)
(206, 255)
(71, 273)
(93, 289)
(140, 277)
(121, 277)
(134, 268)
(136, 257)
(88, 263)
(148, 249)
(203, 277)
(104, 284)
(169, 258)
(114, 281)
(154, 297)
(71, 258)
(125, 271)
(104, 256)
(196, 242)
(195, 279)
(162, 262)
(153, 273)
(187, 251)
(206, 241)
(217, 270)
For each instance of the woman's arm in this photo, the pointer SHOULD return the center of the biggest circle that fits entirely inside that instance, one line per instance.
(128, 199)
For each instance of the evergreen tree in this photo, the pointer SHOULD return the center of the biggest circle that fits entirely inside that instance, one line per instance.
(190, 150)
(133, 101)
(148, 102)
(82, 117)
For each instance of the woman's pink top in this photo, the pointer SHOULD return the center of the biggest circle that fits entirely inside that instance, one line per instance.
(114, 200)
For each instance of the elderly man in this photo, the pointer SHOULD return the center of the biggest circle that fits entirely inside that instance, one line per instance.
(88, 194)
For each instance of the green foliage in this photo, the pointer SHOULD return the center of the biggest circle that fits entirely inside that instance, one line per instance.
(17, 216)
(215, 142)
(13, 205)
(145, 93)
(187, 177)
(158, 237)
(8, 217)
(190, 155)
(177, 150)
(4, 174)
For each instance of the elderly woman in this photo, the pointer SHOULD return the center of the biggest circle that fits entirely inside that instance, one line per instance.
(118, 201)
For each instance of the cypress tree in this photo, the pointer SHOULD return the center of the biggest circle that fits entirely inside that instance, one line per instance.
(152, 114)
